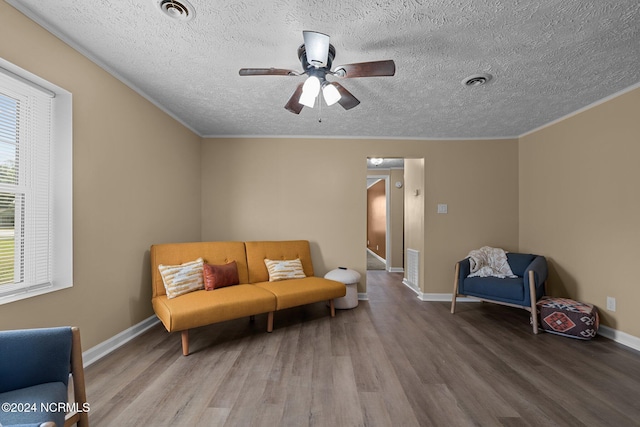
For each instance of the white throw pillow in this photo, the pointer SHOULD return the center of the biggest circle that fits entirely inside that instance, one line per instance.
(182, 279)
(284, 269)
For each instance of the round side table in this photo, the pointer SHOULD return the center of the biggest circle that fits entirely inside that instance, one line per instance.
(350, 278)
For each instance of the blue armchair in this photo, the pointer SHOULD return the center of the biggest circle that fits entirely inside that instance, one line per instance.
(34, 377)
(522, 292)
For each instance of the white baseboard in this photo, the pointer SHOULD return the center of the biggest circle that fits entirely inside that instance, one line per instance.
(375, 255)
(362, 296)
(99, 351)
(396, 270)
(436, 297)
(408, 285)
(620, 337)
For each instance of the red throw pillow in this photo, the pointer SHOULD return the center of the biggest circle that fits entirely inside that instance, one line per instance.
(219, 276)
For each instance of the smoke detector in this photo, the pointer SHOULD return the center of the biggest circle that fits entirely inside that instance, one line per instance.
(177, 10)
(477, 80)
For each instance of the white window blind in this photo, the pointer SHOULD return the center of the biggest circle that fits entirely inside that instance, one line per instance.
(26, 197)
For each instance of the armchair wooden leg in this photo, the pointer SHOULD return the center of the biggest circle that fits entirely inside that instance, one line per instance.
(77, 371)
(532, 297)
(455, 288)
(270, 321)
(333, 308)
(185, 342)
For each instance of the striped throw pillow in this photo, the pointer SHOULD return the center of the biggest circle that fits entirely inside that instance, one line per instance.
(284, 269)
(182, 279)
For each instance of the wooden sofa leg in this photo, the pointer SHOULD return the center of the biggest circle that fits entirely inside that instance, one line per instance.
(332, 306)
(270, 321)
(532, 298)
(455, 288)
(185, 342)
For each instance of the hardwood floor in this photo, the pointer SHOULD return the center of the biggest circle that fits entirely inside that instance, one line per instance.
(374, 263)
(392, 361)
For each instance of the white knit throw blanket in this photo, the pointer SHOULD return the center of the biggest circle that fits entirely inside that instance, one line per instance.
(488, 261)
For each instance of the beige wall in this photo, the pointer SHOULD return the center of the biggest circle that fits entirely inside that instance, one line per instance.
(278, 189)
(254, 189)
(478, 180)
(136, 182)
(580, 206)
(396, 232)
(414, 187)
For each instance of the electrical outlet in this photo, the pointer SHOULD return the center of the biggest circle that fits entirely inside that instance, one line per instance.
(611, 304)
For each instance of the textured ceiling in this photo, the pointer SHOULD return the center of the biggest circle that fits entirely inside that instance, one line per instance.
(549, 58)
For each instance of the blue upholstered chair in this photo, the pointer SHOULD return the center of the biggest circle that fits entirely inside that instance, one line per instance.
(34, 375)
(45, 424)
(522, 292)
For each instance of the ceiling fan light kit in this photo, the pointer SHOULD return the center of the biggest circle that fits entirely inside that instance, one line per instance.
(316, 56)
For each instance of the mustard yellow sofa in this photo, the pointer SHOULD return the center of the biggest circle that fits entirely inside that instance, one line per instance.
(255, 294)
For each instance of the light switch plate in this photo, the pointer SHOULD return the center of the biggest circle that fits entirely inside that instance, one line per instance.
(442, 208)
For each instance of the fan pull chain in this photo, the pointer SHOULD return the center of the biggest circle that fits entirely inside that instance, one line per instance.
(319, 110)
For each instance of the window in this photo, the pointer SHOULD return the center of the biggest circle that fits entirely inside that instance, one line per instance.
(36, 250)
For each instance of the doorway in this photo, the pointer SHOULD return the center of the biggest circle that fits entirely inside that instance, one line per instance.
(377, 225)
(385, 214)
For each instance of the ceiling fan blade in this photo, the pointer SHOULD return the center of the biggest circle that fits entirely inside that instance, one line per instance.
(347, 100)
(316, 46)
(293, 104)
(267, 72)
(367, 69)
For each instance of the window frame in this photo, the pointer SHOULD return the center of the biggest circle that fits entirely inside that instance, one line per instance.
(61, 194)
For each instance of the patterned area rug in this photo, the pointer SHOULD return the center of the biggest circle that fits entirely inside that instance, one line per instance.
(374, 263)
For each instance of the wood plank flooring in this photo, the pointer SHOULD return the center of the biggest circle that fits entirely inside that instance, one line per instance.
(392, 361)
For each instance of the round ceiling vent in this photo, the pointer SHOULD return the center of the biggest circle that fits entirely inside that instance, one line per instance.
(177, 10)
(477, 80)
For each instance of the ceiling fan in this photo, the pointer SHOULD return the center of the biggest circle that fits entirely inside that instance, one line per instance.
(316, 56)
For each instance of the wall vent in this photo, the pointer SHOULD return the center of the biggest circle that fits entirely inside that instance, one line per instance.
(413, 268)
(477, 80)
(178, 10)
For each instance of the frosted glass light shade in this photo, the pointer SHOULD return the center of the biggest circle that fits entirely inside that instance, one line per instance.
(331, 94)
(310, 91)
(307, 100)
